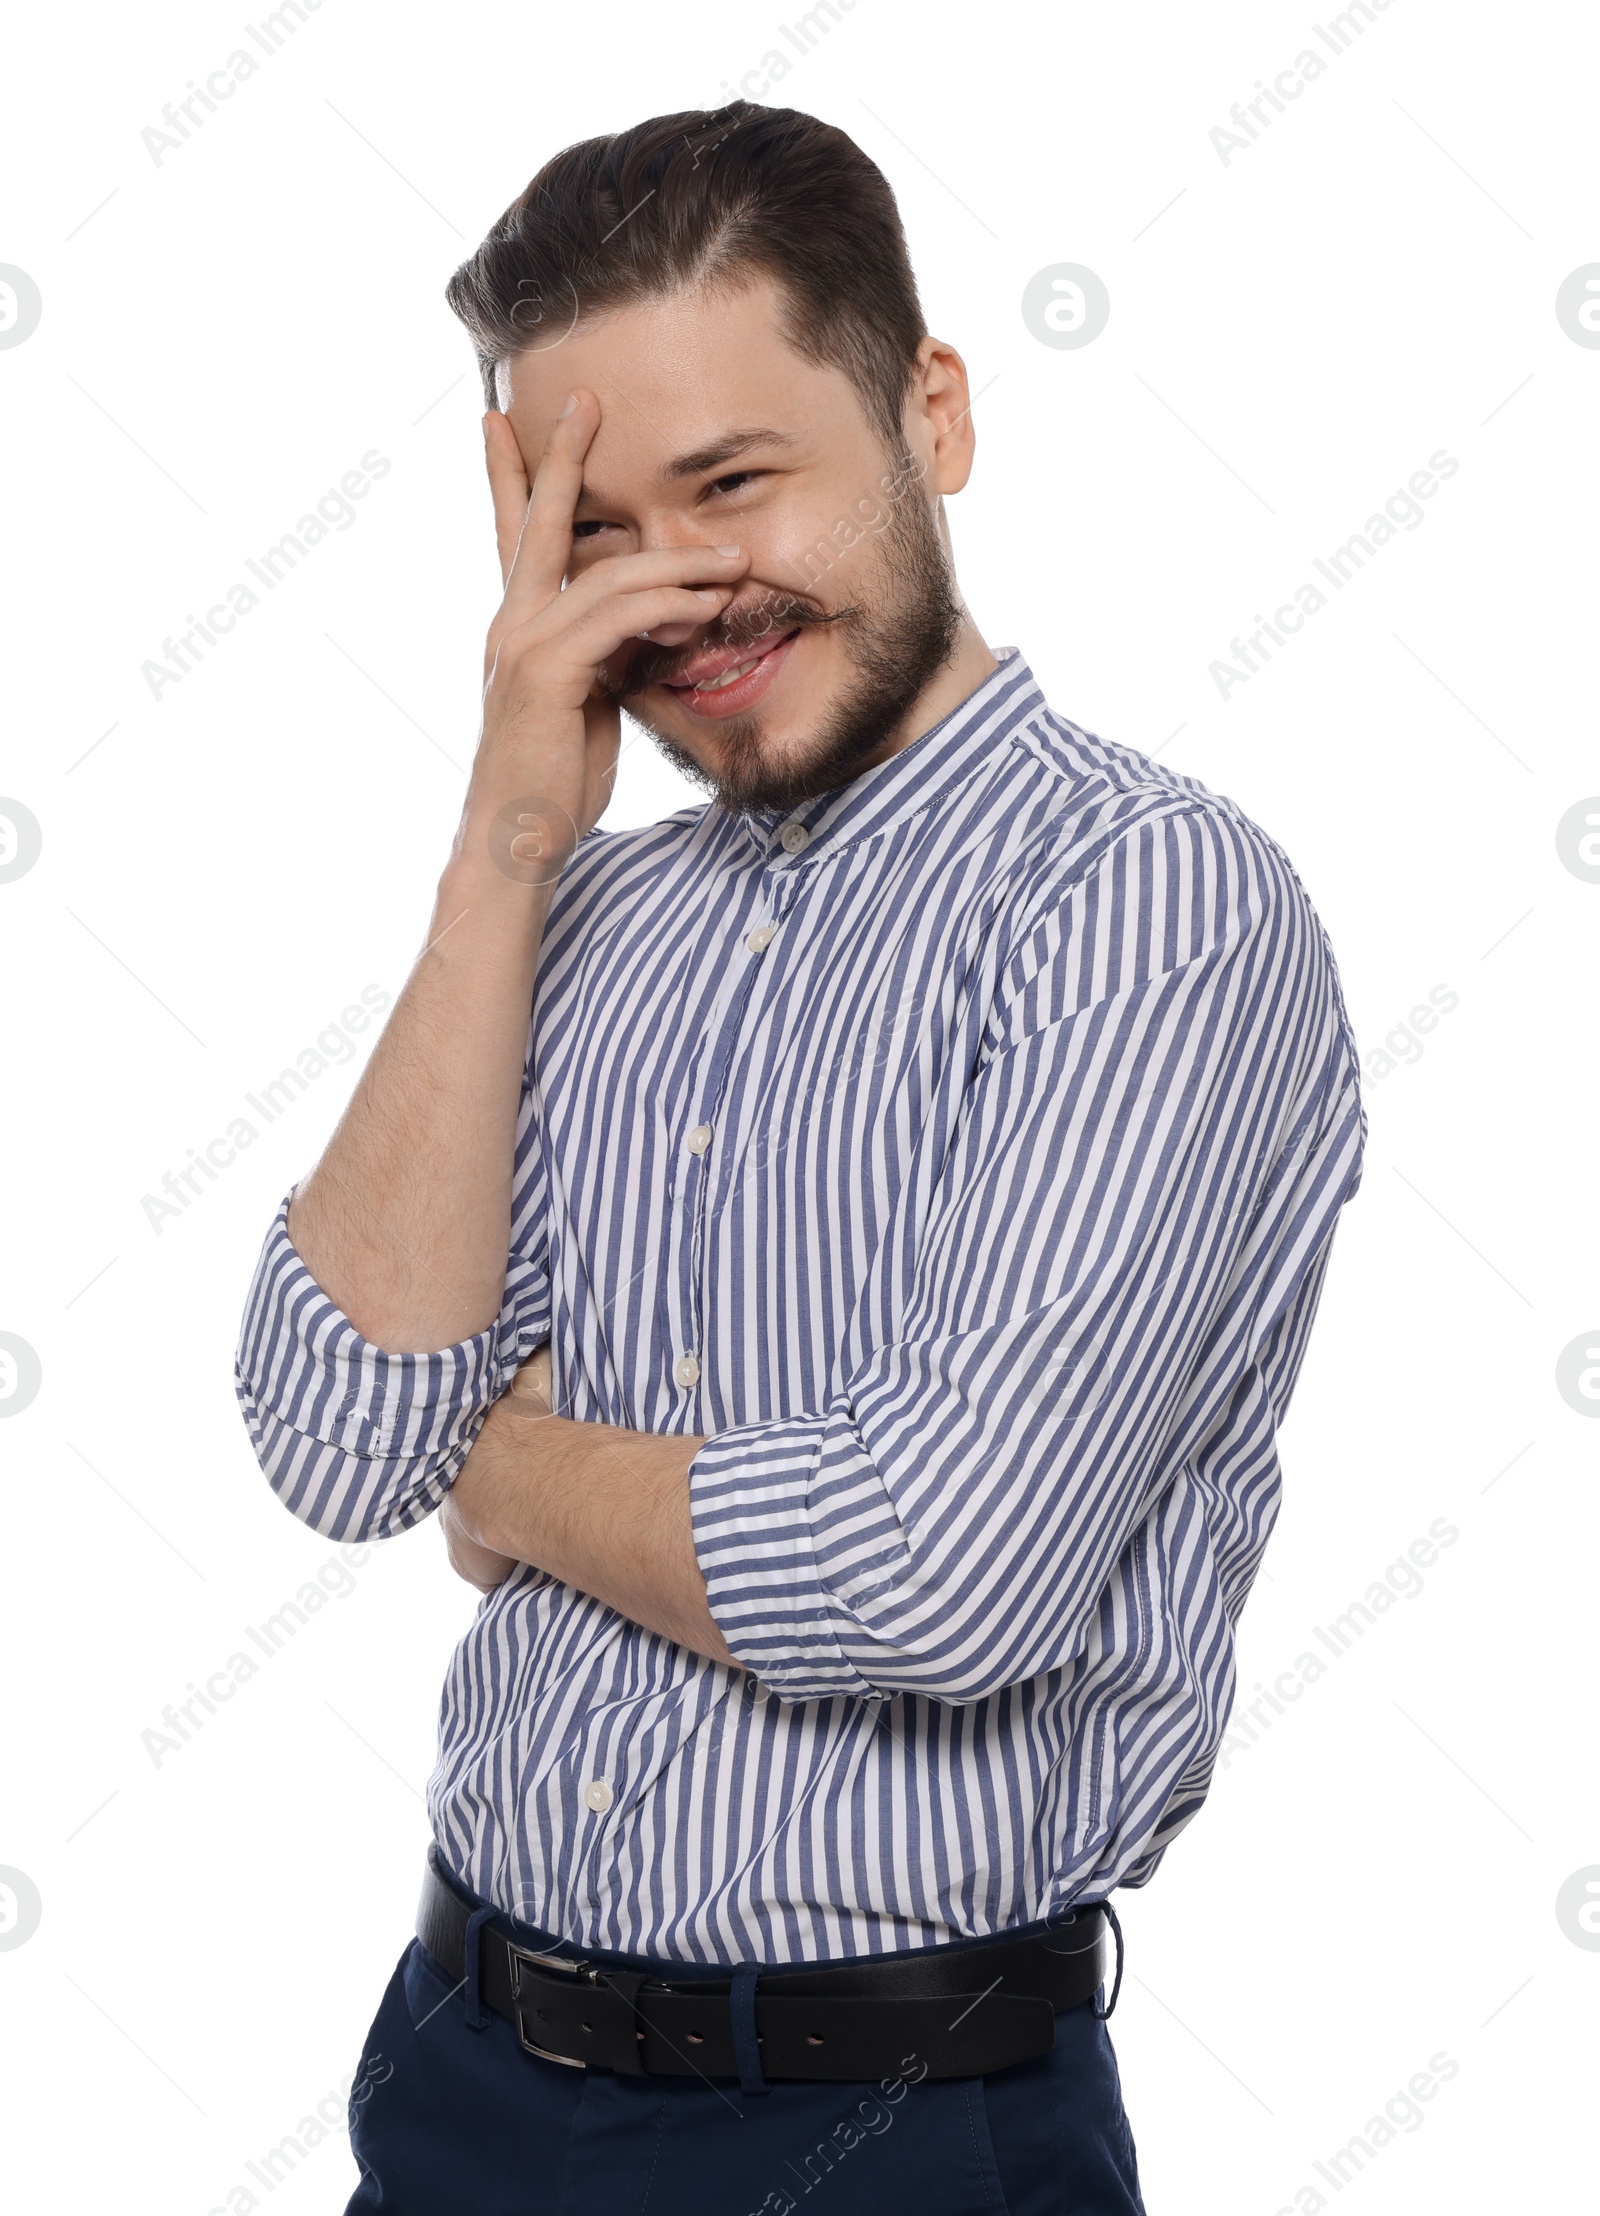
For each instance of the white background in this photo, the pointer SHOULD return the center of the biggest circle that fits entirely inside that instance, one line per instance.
(1292, 334)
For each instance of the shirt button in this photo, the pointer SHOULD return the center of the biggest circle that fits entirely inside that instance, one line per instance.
(793, 837)
(760, 939)
(699, 1138)
(598, 1796)
(687, 1370)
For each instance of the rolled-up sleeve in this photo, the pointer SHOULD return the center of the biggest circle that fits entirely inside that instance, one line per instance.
(1158, 1135)
(360, 1443)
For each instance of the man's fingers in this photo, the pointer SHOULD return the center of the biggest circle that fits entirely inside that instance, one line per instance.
(508, 486)
(480, 1566)
(626, 593)
(589, 635)
(631, 584)
(545, 544)
(719, 567)
(626, 615)
(531, 1385)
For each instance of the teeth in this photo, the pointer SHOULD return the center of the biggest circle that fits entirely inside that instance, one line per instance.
(716, 684)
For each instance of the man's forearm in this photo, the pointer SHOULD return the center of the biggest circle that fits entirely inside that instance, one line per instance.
(405, 1222)
(603, 1509)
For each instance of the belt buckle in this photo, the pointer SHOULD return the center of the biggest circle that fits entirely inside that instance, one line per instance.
(564, 1968)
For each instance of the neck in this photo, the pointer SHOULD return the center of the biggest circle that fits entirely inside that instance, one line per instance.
(962, 674)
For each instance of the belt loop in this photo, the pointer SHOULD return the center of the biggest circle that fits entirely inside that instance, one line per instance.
(476, 2019)
(626, 1985)
(746, 2045)
(1104, 2014)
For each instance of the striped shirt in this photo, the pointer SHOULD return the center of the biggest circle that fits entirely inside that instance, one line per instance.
(960, 1153)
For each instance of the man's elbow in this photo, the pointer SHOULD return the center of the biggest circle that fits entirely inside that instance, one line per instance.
(959, 1655)
(337, 1493)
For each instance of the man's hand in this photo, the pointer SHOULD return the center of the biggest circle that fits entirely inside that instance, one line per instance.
(480, 1566)
(603, 1509)
(550, 737)
(406, 1221)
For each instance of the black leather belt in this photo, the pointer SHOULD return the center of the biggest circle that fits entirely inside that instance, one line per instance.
(947, 2012)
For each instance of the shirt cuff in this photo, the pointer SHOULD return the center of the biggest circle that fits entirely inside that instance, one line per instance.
(304, 1365)
(751, 1505)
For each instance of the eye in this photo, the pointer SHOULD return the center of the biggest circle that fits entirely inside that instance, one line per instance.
(588, 530)
(735, 481)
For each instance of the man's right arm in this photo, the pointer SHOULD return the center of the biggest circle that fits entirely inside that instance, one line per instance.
(405, 1223)
(396, 1297)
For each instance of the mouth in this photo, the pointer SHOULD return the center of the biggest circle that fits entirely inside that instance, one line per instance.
(730, 679)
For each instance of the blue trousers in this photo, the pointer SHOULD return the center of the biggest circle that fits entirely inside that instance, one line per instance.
(450, 2121)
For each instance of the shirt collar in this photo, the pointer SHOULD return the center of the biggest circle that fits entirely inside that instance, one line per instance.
(891, 790)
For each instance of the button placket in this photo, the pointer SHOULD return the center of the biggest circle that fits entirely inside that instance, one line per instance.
(700, 1139)
(687, 1197)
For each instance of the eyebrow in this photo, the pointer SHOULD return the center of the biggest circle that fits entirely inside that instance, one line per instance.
(706, 459)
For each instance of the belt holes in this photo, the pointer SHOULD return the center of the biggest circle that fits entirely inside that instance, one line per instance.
(696, 2038)
(588, 2027)
(813, 2038)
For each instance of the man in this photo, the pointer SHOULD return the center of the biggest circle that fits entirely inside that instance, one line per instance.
(845, 1331)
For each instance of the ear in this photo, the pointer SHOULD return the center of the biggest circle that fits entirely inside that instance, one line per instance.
(938, 417)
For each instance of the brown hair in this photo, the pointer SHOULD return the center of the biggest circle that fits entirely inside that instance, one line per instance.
(717, 196)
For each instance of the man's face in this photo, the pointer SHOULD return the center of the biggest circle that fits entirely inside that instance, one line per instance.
(714, 431)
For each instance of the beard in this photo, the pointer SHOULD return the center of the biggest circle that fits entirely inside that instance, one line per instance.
(895, 641)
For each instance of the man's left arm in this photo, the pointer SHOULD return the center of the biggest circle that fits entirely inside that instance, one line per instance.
(1068, 1440)
(1140, 1194)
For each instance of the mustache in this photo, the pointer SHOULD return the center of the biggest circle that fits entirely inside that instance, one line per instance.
(737, 627)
